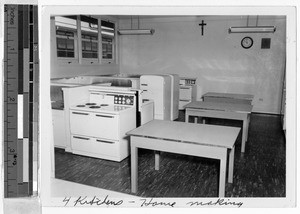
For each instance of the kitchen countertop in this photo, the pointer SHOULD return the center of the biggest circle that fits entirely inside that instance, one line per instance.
(57, 105)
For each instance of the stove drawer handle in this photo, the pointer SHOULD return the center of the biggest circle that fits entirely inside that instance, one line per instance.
(187, 88)
(107, 116)
(80, 113)
(104, 141)
(82, 138)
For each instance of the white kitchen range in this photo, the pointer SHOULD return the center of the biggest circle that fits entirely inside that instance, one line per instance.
(99, 123)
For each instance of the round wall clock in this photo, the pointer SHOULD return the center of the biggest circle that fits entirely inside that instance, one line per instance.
(247, 42)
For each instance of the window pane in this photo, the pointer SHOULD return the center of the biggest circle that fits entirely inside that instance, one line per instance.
(88, 46)
(61, 53)
(107, 48)
(70, 54)
(84, 55)
(61, 43)
(70, 44)
(95, 46)
(95, 55)
(83, 45)
(107, 28)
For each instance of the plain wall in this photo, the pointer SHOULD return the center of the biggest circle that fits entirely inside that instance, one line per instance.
(216, 59)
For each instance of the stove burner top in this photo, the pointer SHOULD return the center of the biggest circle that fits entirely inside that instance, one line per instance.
(104, 105)
(94, 106)
(80, 106)
(90, 104)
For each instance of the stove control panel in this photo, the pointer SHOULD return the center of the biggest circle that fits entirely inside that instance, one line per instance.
(124, 99)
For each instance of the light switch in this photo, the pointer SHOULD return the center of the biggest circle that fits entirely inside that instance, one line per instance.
(265, 43)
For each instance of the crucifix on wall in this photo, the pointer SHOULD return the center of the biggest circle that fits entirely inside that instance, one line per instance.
(202, 24)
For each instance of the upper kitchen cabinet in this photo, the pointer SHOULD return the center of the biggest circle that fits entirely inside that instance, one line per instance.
(108, 39)
(89, 36)
(84, 39)
(66, 38)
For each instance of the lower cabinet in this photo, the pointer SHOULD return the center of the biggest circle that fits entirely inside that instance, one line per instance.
(59, 130)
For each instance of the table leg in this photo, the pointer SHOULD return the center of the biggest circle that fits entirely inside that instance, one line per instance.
(186, 117)
(195, 119)
(134, 169)
(244, 133)
(157, 155)
(222, 179)
(248, 124)
(231, 165)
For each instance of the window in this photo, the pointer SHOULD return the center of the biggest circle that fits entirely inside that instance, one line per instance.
(108, 40)
(66, 36)
(89, 37)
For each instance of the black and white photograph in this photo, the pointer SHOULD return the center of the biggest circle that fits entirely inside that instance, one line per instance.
(164, 106)
(180, 81)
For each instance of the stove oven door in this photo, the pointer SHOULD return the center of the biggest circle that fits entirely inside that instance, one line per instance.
(106, 126)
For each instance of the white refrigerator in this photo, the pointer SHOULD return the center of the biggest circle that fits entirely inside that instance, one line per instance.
(158, 88)
(175, 79)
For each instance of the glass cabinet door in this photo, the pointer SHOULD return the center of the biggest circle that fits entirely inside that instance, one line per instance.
(66, 36)
(89, 37)
(108, 37)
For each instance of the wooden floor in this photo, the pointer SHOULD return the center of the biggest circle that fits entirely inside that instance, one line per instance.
(260, 172)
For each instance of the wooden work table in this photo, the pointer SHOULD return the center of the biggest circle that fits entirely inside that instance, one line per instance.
(208, 141)
(233, 111)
